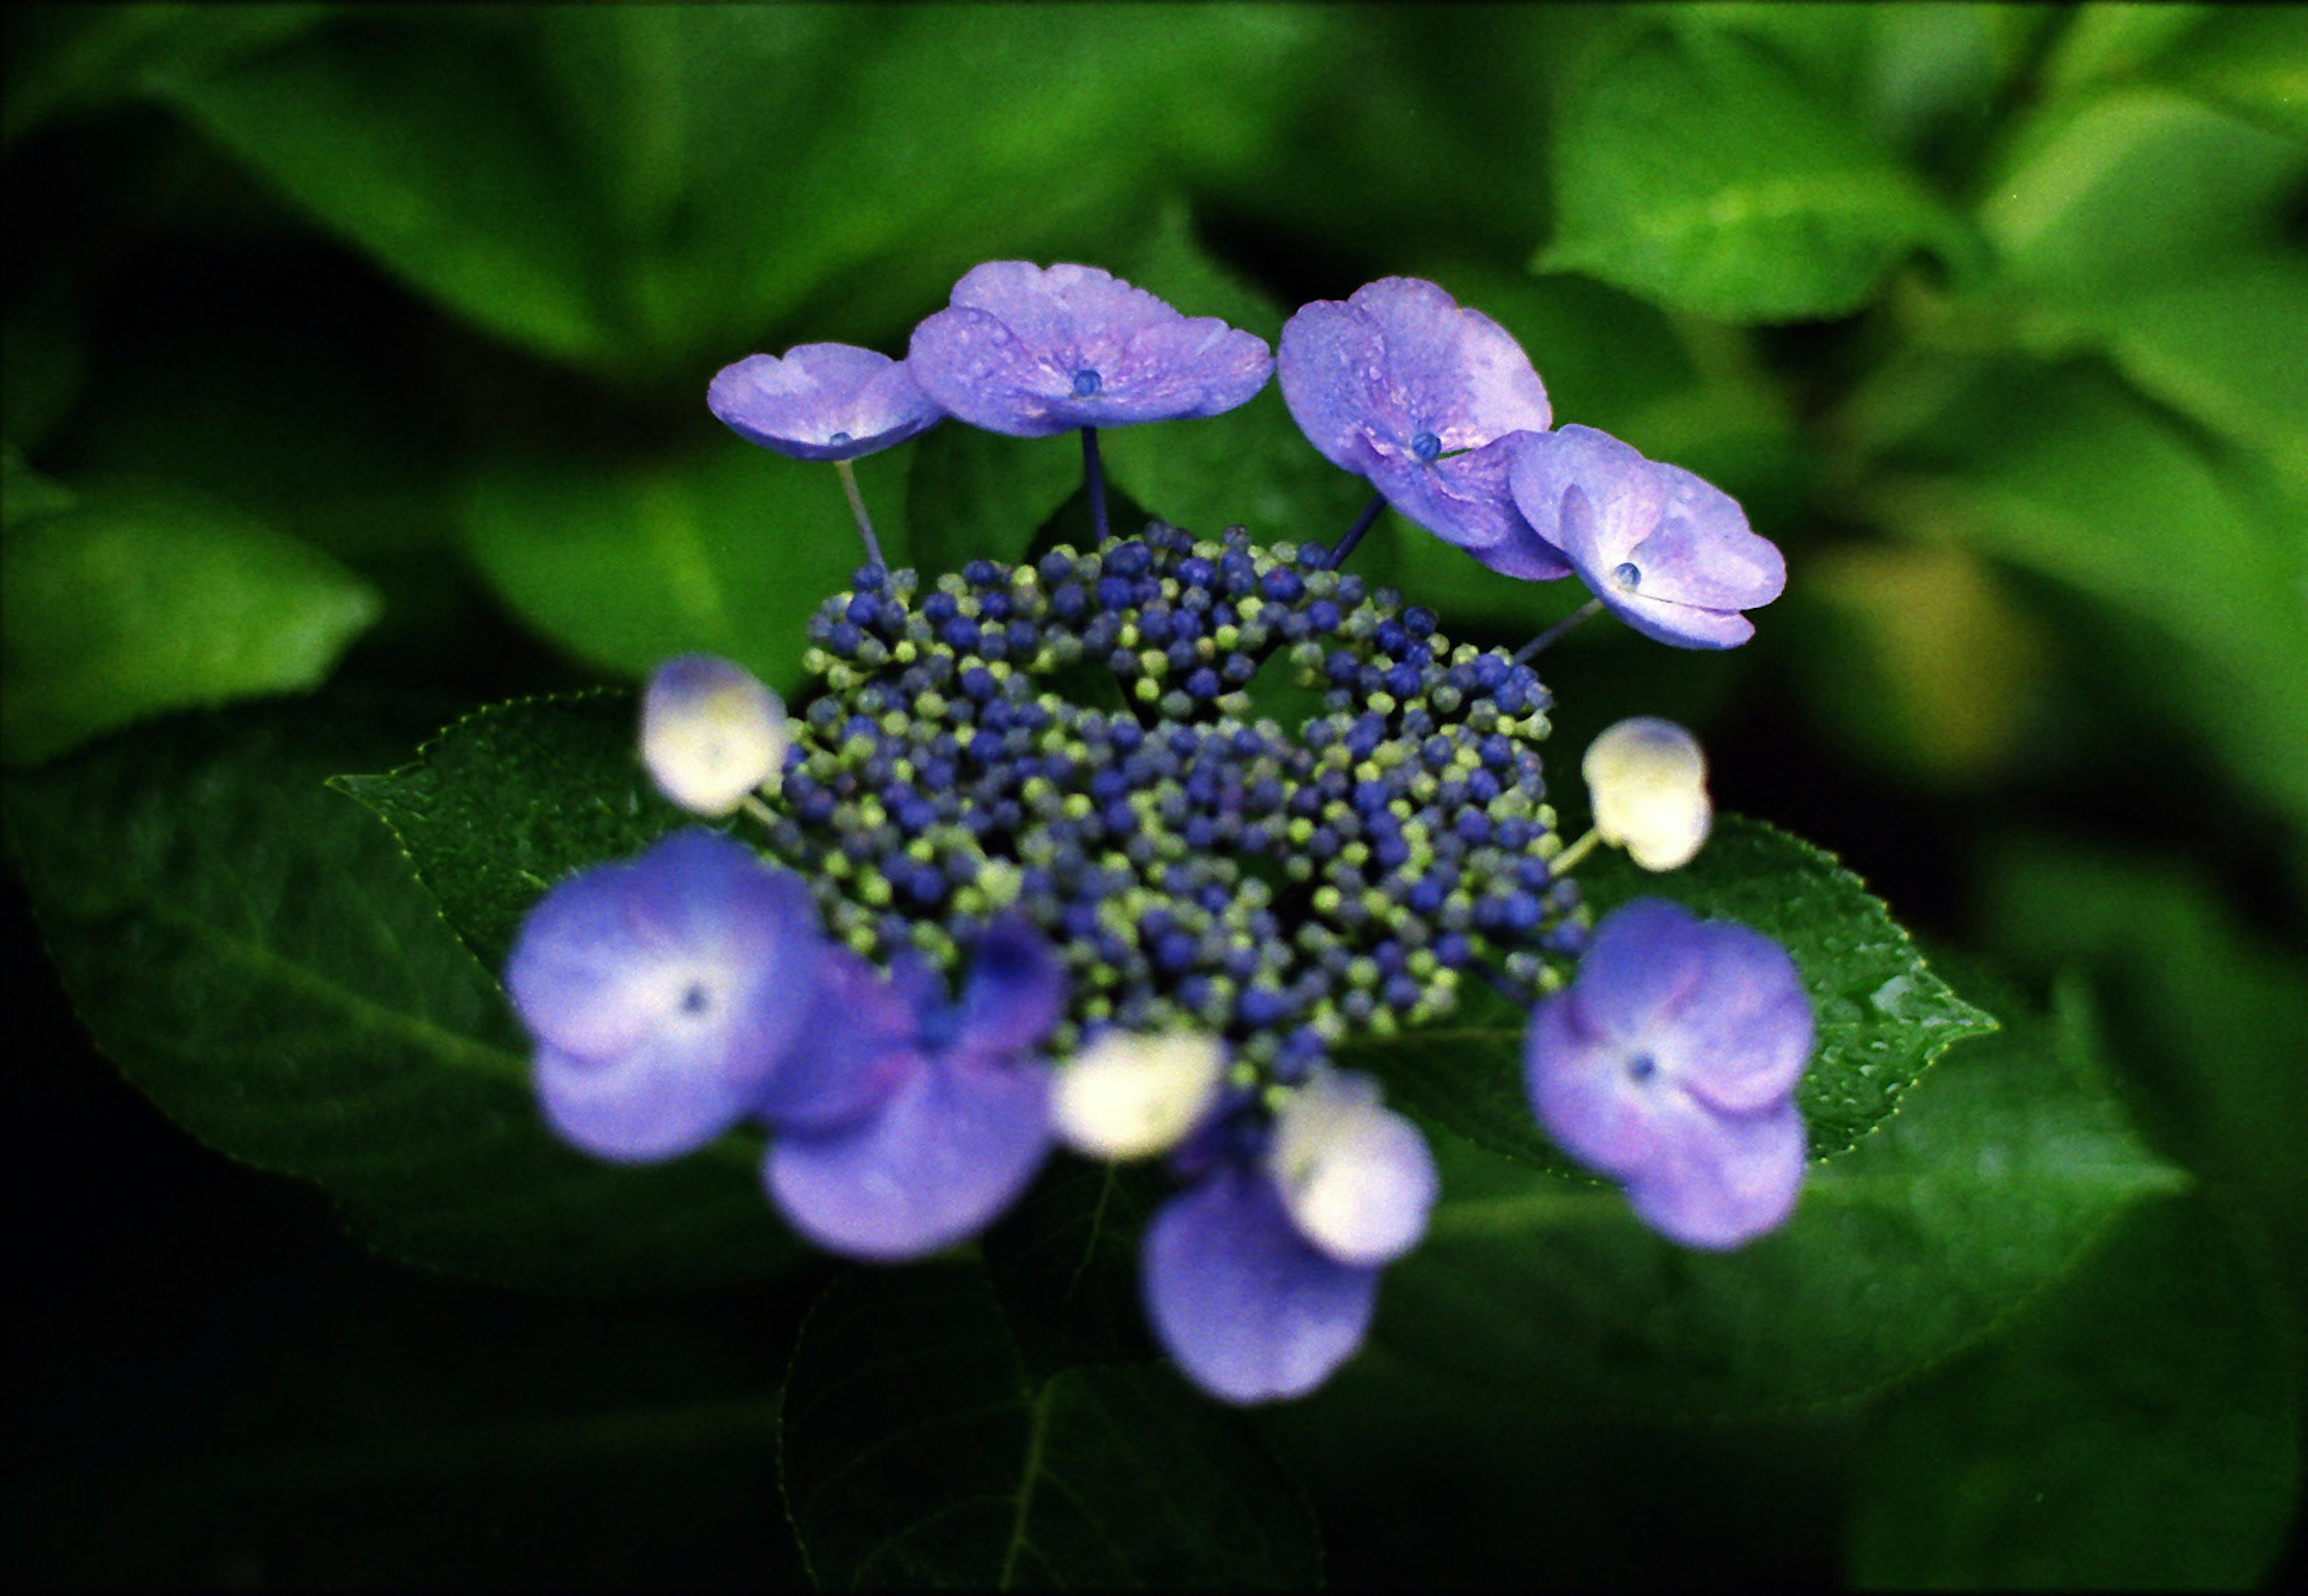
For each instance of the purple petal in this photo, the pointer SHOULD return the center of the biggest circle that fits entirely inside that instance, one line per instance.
(667, 1096)
(695, 933)
(1016, 992)
(1702, 553)
(1244, 1304)
(1030, 353)
(1643, 962)
(822, 401)
(1460, 375)
(1331, 366)
(1583, 1094)
(862, 1042)
(949, 1149)
(1745, 1031)
(1587, 494)
(1723, 1180)
(1465, 500)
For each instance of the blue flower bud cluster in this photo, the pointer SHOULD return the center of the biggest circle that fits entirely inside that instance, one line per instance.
(1075, 739)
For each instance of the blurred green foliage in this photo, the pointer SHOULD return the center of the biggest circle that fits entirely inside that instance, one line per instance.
(367, 344)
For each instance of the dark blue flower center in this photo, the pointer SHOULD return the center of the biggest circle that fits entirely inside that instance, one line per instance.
(1425, 447)
(1628, 575)
(1085, 382)
(696, 999)
(839, 438)
(1641, 1068)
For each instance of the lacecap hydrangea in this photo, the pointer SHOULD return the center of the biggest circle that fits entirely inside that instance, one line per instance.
(1026, 874)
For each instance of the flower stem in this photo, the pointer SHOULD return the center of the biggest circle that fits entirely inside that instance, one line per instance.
(1094, 480)
(753, 805)
(1565, 862)
(858, 509)
(1557, 629)
(1355, 533)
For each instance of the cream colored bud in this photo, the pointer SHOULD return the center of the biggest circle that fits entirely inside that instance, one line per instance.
(1647, 779)
(1127, 1095)
(1357, 1177)
(711, 734)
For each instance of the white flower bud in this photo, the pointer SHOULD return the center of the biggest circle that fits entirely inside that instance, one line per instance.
(1130, 1096)
(1358, 1178)
(1647, 779)
(711, 734)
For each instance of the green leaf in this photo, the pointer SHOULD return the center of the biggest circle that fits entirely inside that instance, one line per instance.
(726, 553)
(1250, 466)
(426, 148)
(2067, 473)
(914, 1450)
(979, 496)
(1883, 1015)
(131, 602)
(1064, 1262)
(256, 956)
(2251, 59)
(1696, 171)
(2133, 185)
(514, 798)
(66, 58)
(2007, 1162)
(2137, 1431)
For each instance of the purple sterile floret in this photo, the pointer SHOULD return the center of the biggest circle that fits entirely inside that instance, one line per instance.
(1403, 386)
(923, 1118)
(1245, 1305)
(1261, 1278)
(664, 992)
(1032, 351)
(1668, 553)
(1670, 1065)
(822, 401)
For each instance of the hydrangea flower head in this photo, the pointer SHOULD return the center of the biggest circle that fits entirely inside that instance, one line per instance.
(1647, 779)
(822, 401)
(1403, 385)
(1668, 553)
(664, 992)
(1262, 1277)
(1670, 1065)
(916, 1120)
(1033, 351)
(712, 734)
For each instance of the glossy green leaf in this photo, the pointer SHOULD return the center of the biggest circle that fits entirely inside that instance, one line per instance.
(513, 799)
(69, 58)
(256, 955)
(2133, 1432)
(1883, 1015)
(915, 1450)
(1698, 172)
(131, 601)
(2008, 1161)
(724, 553)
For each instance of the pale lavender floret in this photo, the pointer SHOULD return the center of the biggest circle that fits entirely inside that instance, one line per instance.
(1262, 1277)
(1030, 352)
(1401, 385)
(664, 992)
(1670, 1065)
(1668, 553)
(920, 1120)
(822, 401)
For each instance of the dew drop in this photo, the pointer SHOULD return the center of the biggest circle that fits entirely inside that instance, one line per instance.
(1425, 446)
(1085, 382)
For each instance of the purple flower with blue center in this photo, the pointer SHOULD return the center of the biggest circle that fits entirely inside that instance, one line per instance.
(908, 1122)
(1033, 352)
(664, 993)
(1670, 1064)
(1668, 553)
(1262, 1277)
(1403, 386)
(822, 401)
